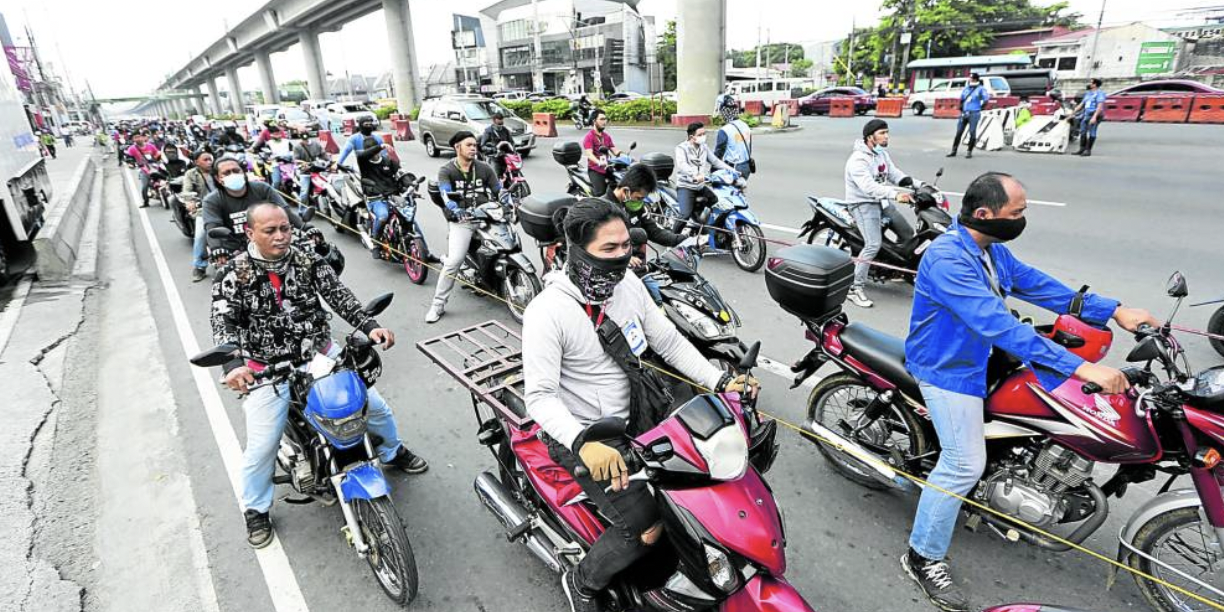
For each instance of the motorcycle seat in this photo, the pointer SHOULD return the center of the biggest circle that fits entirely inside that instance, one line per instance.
(881, 352)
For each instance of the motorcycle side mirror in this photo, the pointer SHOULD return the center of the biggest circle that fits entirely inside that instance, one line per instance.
(638, 236)
(1176, 287)
(608, 428)
(660, 451)
(220, 233)
(1145, 351)
(939, 173)
(307, 215)
(213, 357)
(633, 145)
(750, 358)
(377, 305)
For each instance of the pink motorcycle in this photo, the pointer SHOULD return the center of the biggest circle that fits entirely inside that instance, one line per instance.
(724, 544)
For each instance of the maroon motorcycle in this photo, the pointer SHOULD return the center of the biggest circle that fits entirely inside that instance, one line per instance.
(1042, 445)
(723, 547)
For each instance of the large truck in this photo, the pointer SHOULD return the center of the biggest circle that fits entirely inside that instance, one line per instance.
(23, 204)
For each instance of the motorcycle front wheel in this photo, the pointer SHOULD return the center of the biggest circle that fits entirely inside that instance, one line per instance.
(519, 288)
(750, 254)
(390, 554)
(1216, 326)
(1180, 539)
(414, 260)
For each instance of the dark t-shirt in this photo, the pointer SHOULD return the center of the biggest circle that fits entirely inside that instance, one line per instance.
(477, 186)
(224, 210)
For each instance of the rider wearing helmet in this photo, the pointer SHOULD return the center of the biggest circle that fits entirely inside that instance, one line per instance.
(378, 172)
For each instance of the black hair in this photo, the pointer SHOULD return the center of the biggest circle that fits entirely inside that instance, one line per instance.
(250, 210)
(195, 155)
(975, 76)
(216, 167)
(1097, 81)
(597, 113)
(639, 178)
(986, 191)
(585, 218)
(693, 127)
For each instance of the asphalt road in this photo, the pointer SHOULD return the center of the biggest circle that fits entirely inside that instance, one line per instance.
(1142, 207)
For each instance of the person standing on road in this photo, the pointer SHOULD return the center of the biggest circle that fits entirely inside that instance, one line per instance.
(465, 183)
(48, 142)
(1093, 107)
(198, 183)
(870, 176)
(597, 146)
(959, 316)
(268, 300)
(694, 162)
(972, 98)
(734, 142)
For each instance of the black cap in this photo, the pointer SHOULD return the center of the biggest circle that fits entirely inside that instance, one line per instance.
(975, 76)
(874, 126)
(460, 136)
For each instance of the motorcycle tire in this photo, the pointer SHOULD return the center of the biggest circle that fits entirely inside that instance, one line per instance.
(750, 255)
(414, 261)
(183, 220)
(1151, 535)
(843, 463)
(1216, 326)
(165, 202)
(519, 287)
(390, 555)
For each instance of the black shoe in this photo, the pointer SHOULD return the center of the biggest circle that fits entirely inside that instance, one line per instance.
(969, 154)
(259, 528)
(145, 205)
(433, 259)
(580, 599)
(376, 253)
(935, 580)
(952, 154)
(198, 274)
(409, 462)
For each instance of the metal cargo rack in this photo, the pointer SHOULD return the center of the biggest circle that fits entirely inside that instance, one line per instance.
(488, 359)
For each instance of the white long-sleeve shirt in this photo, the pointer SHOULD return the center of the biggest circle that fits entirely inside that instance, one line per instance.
(870, 172)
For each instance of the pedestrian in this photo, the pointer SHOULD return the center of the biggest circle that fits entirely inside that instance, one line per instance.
(1093, 106)
(48, 142)
(881, 92)
(972, 98)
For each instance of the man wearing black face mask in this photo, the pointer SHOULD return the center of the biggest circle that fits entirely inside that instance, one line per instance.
(959, 317)
(582, 337)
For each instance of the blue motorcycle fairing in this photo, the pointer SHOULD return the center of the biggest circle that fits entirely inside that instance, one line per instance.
(740, 215)
(365, 481)
(337, 396)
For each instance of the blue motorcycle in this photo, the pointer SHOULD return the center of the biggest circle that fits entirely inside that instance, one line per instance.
(326, 455)
(724, 221)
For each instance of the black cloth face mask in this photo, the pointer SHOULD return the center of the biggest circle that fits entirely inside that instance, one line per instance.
(595, 277)
(1004, 230)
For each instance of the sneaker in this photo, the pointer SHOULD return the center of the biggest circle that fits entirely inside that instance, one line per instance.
(935, 580)
(198, 274)
(580, 600)
(858, 298)
(259, 528)
(435, 313)
(409, 462)
(952, 154)
(376, 252)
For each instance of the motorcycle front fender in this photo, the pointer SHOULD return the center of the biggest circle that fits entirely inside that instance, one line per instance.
(765, 593)
(741, 215)
(520, 260)
(365, 481)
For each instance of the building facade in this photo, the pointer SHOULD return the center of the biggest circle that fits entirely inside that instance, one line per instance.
(1123, 54)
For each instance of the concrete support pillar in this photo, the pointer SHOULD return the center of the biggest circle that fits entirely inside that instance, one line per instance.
(312, 55)
(267, 80)
(403, 54)
(235, 90)
(214, 98)
(700, 40)
(180, 109)
(196, 103)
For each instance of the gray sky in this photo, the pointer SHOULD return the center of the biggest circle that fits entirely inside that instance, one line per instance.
(126, 47)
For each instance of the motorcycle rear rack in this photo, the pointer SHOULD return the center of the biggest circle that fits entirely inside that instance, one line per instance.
(487, 358)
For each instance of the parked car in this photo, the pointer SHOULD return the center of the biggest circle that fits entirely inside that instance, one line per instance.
(543, 96)
(314, 104)
(259, 114)
(510, 95)
(625, 96)
(1028, 83)
(297, 120)
(343, 111)
(951, 88)
(818, 103)
(442, 117)
(1166, 87)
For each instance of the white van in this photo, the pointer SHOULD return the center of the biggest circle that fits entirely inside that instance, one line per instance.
(951, 88)
(769, 91)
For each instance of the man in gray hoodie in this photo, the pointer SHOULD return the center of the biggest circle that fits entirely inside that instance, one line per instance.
(870, 176)
(571, 382)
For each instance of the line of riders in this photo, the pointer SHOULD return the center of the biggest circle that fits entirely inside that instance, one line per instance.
(586, 480)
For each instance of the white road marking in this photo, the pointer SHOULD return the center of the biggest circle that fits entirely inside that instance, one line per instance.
(781, 228)
(782, 370)
(278, 574)
(1039, 202)
(10, 314)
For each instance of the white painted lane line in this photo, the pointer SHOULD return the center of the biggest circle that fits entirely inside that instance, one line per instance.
(781, 228)
(1039, 202)
(278, 574)
(11, 312)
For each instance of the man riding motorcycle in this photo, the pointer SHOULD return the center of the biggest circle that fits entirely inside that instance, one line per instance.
(378, 173)
(227, 206)
(198, 183)
(869, 173)
(268, 300)
(582, 337)
(597, 145)
(694, 162)
(145, 154)
(495, 134)
(305, 151)
(639, 182)
(959, 317)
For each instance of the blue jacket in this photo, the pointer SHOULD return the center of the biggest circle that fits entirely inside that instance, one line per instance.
(355, 143)
(973, 98)
(957, 317)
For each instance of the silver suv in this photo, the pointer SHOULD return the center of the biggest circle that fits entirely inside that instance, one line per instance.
(443, 117)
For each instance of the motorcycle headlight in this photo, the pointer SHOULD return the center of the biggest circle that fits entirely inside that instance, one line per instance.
(722, 572)
(725, 452)
(344, 429)
(496, 213)
(707, 327)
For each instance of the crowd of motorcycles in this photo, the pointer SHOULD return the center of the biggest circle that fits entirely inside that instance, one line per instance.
(867, 416)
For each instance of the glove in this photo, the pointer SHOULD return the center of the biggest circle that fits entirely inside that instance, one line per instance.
(742, 384)
(604, 461)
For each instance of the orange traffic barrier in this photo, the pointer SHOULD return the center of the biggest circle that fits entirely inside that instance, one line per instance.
(1002, 102)
(1042, 105)
(389, 141)
(394, 117)
(946, 108)
(794, 107)
(1207, 109)
(349, 125)
(755, 108)
(403, 129)
(1124, 108)
(328, 140)
(889, 107)
(544, 125)
(1167, 109)
(841, 107)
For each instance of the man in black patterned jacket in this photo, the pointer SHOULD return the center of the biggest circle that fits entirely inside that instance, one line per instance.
(269, 301)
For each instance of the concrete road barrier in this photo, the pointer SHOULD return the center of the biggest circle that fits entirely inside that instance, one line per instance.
(58, 243)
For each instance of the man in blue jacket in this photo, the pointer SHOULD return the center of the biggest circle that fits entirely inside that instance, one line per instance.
(959, 316)
(973, 97)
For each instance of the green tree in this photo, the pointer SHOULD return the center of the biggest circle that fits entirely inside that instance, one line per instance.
(773, 53)
(666, 56)
(800, 68)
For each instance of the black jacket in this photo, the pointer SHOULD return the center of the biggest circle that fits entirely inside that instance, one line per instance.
(491, 137)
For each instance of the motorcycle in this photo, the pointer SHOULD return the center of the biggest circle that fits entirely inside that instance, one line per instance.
(401, 237)
(1042, 445)
(724, 541)
(581, 116)
(180, 208)
(327, 455)
(1215, 325)
(721, 213)
(288, 170)
(513, 179)
(570, 155)
(832, 224)
(495, 261)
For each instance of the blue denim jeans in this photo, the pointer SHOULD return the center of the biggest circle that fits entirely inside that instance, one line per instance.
(1087, 126)
(199, 256)
(652, 287)
(266, 409)
(381, 211)
(958, 421)
(969, 118)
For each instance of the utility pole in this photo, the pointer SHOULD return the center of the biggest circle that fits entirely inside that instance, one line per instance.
(1096, 36)
(537, 73)
(850, 62)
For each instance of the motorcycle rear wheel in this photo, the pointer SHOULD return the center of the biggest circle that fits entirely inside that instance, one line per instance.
(1216, 326)
(853, 396)
(519, 288)
(750, 255)
(1173, 537)
(390, 555)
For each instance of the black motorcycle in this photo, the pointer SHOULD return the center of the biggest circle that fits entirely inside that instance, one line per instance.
(832, 224)
(401, 238)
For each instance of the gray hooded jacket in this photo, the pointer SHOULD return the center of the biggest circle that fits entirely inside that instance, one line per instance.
(869, 174)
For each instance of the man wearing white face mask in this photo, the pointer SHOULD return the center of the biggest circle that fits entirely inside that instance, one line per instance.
(227, 206)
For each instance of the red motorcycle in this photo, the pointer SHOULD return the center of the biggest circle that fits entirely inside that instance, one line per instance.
(1042, 445)
(724, 544)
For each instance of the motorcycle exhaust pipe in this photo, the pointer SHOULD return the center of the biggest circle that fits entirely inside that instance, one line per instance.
(871, 464)
(514, 518)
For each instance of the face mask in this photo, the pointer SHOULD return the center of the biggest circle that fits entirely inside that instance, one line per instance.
(595, 277)
(634, 206)
(366, 130)
(1003, 230)
(234, 182)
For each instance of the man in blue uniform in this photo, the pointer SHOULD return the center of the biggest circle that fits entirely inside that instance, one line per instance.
(1093, 106)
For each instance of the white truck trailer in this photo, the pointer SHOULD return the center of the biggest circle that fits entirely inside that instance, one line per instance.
(23, 203)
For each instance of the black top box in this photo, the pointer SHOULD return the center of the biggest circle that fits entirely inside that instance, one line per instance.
(809, 281)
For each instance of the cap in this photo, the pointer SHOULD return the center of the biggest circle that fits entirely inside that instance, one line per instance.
(874, 126)
(460, 136)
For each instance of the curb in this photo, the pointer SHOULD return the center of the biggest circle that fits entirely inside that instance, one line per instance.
(58, 243)
(86, 266)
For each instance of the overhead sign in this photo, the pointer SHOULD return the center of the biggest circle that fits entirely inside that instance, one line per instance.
(1156, 57)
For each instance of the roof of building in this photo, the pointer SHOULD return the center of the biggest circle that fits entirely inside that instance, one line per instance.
(970, 60)
(1070, 37)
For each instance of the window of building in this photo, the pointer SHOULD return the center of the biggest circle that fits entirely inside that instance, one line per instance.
(555, 52)
(514, 30)
(513, 57)
(1067, 63)
(1045, 62)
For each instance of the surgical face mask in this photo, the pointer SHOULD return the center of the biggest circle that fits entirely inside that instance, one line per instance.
(634, 206)
(595, 277)
(1003, 230)
(234, 182)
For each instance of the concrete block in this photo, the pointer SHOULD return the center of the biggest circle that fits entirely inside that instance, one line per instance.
(58, 242)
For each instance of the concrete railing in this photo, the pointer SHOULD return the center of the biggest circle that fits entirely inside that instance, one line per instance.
(58, 243)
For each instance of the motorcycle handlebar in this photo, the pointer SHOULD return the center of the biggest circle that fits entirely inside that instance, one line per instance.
(1133, 376)
(633, 464)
